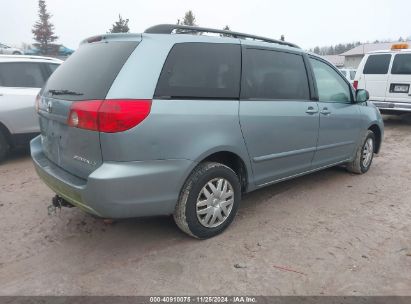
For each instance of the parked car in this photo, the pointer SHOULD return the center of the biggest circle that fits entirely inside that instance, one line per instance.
(349, 74)
(7, 50)
(57, 50)
(387, 76)
(21, 78)
(186, 124)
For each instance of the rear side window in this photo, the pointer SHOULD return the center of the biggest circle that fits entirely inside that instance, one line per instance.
(91, 70)
(201, 70)
(21, 74)
(402, 64)
(274, 75)
(377, 64)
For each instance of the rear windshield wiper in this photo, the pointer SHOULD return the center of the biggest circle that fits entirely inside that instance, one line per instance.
(64, 92)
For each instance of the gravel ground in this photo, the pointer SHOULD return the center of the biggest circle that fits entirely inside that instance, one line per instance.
(329, 233)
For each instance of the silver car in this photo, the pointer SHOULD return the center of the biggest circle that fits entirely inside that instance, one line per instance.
(169, 123)
(7, 50)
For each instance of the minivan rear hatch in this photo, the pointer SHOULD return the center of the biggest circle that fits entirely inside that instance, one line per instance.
(87, 75)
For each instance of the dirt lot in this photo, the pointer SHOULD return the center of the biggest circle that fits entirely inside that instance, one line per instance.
(330, 233)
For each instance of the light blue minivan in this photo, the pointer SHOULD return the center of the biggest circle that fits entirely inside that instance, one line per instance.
(177, 122)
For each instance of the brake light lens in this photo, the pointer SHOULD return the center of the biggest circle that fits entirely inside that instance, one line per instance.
(37, 103)
(84, 114)
(94, 39)
(355, 84)
(109, 116)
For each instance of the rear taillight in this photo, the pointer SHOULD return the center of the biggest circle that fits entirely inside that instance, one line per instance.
(110, 116)
(355, 84)
(84, 114)
(37, 103)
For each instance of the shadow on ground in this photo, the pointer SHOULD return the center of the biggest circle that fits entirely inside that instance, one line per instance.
(164, 229)
(17, 155)
(397, 120)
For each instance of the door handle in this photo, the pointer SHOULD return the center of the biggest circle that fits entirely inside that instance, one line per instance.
(311, 110)
(325, 111)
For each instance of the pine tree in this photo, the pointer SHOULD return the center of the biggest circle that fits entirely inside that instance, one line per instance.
(120, 26)
(189, 19)
(43, 29)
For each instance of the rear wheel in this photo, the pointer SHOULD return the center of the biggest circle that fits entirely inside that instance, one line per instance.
(364, 155)
(208, 201)
(4, 146)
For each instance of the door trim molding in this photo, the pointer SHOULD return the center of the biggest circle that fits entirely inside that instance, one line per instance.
(344, 143)
(263, 158)
(304, 173)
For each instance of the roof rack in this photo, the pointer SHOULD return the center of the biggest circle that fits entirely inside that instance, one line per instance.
(183, 29)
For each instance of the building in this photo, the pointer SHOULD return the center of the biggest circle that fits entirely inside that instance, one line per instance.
(354, 56)
(336, 60)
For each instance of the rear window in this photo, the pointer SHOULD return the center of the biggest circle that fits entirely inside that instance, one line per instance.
(201, 70)
(274, 75)
(402, 64)
(91, 70)
(21, 74)
(377, 64)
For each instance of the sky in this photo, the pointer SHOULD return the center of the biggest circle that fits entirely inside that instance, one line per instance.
(307, 23)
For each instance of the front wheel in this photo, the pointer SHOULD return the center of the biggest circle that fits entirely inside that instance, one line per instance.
(208, 200)
(364, 155)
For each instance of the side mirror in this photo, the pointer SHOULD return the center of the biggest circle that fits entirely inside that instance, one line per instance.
(362, 95)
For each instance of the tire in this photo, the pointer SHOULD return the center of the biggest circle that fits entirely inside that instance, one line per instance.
(194, 205)
(360, 165)
(16, 53)
(4, 146)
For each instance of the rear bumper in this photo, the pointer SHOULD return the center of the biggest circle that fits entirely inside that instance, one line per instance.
(117, 189)
(393, 106)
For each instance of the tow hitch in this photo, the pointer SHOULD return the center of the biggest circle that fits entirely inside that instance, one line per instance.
(57, 202)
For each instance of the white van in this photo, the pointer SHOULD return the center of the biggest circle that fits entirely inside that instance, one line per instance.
(386, 75)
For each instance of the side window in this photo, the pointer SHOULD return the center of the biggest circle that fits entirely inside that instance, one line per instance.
(21, 74)
(402, 64)
(377, 64)
(330, 85)
(201, 70)
(274, 75)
